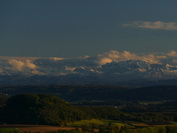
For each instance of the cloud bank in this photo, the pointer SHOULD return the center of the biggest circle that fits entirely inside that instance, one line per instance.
(90, 64)
(153, 25)
(20, 65)
(116, 56)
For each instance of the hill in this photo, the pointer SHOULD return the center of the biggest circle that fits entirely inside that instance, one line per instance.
(39, 109)
(104, 93)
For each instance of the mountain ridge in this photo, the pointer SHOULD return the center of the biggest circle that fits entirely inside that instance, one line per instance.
(108, 68)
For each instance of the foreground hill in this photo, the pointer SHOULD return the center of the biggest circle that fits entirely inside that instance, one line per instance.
(39, 109)
(47, 109)
(51, 110)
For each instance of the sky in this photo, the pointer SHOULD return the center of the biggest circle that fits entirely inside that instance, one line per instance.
(73, 28)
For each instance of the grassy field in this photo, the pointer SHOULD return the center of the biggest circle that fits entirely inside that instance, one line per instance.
(9, 130)
(79, 124)
(97, 122)
(30, 128)
(119, 124)
(86, 123)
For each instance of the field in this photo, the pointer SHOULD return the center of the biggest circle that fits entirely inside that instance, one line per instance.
(31, 128)
(13, 128)
(112, 123)
(9, 130)
(87, 123)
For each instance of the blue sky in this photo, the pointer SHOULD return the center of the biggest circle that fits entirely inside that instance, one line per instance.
(72, 28)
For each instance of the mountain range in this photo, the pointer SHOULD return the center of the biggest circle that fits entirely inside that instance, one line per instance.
(113, 67)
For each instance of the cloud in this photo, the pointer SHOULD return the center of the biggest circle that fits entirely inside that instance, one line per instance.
(116, 56)
(153, 25)
(20, 65)
(104, 60)
(56, 58)
(172, 54)
(30, 65)
(57, 66)
(17, 65)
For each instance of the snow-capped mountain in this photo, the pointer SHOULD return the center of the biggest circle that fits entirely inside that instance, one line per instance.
(134, 69)
(110, 67)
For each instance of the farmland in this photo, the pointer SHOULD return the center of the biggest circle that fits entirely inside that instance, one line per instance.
(91, 126)
(31, 128)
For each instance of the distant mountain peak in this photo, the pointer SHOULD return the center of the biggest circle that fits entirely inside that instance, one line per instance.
(112, 66)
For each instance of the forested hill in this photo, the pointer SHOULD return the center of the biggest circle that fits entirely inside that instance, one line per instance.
(50, 110)
(39, 109)
(98, 92)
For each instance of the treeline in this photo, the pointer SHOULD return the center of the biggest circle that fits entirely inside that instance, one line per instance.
(135, 111)
(51, 110)
(106, 112)
(164, 111)
(39, 109)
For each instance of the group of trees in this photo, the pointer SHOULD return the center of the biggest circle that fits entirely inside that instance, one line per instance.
(51, 110)
(39, 109)
(105, 112)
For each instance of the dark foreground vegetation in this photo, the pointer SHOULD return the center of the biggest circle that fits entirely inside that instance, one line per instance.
(51, 110)
(97, 113)
(134, 117)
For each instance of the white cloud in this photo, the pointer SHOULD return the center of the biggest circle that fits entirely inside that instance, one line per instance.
(20, 65)
(116, 56)
(17, 65)
(172, 54)
(153, 59)
(30, 65)
(56, 58)
(153, 25)
(57, 66)
(104, 60)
